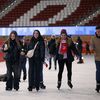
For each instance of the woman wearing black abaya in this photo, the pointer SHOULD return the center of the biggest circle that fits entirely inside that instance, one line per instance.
(36, 62)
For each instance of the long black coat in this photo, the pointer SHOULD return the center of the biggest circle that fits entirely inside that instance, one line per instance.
(39, 53)
(36, 62)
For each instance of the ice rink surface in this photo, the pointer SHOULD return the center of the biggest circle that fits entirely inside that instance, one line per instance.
(83, 80)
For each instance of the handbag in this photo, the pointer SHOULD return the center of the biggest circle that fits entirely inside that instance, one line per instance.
(30, 53)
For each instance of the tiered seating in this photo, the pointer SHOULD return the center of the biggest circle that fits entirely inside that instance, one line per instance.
(34, 17)
(48, 12)
(85, 9)
(4, 3)
(95, 21)
(19, 10)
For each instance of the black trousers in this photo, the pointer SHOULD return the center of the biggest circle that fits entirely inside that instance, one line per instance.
(23, 67)
(50, 61)
(41, 74)
(13, 74)
(80, 54)
(61, 68)
(97, 72)
(34, 73)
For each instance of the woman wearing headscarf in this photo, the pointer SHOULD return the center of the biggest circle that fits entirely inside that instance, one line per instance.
(36, 62)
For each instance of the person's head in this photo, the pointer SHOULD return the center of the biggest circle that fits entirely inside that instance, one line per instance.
(23, 39)
(63, 34)
(13, 35)
(78, 38)
(52, 36)
(98, 30)
(36, 34)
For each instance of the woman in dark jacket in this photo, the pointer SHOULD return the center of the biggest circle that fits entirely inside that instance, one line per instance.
(52, 51)
(36, 62)
(65, 51)
(79, 48)
(12, 55)
(23, 59)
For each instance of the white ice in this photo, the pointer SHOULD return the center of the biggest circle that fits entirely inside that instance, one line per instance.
(83, 80)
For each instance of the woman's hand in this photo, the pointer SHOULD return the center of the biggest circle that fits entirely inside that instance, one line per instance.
(22, 53)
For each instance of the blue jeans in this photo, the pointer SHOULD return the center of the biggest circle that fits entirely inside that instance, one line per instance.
(97, 71)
